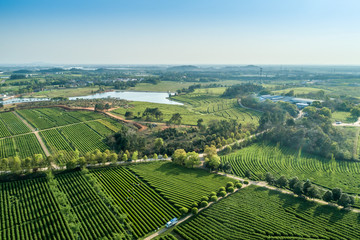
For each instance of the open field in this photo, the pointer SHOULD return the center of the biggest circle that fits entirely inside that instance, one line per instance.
(172, 86)
(262, 158)
(300, 90)
(259, 213)
(188, 117)
(145, 208)
(180, 186)
(344, 117)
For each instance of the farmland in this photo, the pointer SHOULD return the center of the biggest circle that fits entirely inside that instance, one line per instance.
(208, 101)
(146, 209)
(262, 158)
(62, 132)
(28, 210)
(180, 186)
(11, 125)
(258, 213)
(203, 103)
(44, 118)
(96, 219)
(22, 146)
(188, 116)
(66, 139)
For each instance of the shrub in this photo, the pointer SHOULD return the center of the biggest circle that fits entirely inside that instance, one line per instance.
(204, 198)
(230, 189)
(204, 204)
(221, 189)
(213, 198)
(222, 194)
(184, 210)
(246, 182)
(194, 210)
(229, 184)
(212, 194)
(238, 185)
(194, 204)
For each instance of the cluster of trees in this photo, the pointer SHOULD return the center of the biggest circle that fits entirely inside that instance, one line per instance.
(102, 106)
(16, 165)
(176, 119)
(192, 88)
(313, 133)
(217, 133)
(355, 112)
(152, 113)
(182, 158)
(241, 90)
(126, 139)
(213, 197)
(211, 159)
(308, 189)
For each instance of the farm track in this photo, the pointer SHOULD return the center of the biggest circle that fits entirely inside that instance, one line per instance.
(42, 144)
(355, 124)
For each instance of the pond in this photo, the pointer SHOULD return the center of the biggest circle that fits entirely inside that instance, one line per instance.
(152, 97)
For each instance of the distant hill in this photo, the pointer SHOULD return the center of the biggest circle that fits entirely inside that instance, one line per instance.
(183, 68)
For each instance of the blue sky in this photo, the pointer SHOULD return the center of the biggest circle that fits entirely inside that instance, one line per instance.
(180, 32)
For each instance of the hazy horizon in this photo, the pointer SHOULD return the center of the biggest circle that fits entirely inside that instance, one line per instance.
(186, 32)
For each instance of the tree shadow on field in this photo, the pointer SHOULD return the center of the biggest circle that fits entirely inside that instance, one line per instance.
(173, 169)
(305, 205)
(284, 199)
(331, 212)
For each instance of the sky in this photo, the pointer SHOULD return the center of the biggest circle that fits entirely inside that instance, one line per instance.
(324, 32)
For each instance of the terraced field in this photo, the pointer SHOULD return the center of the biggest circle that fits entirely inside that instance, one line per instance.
(215, 105)
(28, 210)
(180, 186)
(262, 158)
(259, 213)
(145, 209)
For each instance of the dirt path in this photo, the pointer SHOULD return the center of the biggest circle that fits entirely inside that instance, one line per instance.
(42, 144)
(355, 124)
(136, 124)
